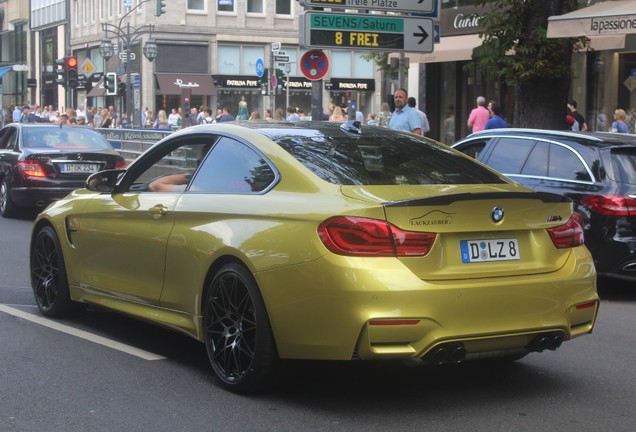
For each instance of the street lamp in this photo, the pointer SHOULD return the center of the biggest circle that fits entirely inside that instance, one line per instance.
(128, 36)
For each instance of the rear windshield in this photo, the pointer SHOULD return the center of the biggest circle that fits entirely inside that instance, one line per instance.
(63, 138)
(624, 165)
(379, 157)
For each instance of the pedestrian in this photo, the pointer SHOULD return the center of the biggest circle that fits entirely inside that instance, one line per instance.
(292, 115)
(371, 121)
(268, 114)
(496, 121)
(337, 115)
(174, 119)
(255, 115)
(161, 122)
(577, 115)
(226, 117)
(425, 126)
(207, 116)
(384, 115)
(479, 115)
(619, 125)
(404, 117)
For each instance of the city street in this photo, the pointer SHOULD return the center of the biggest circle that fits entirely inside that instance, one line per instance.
(104, 372)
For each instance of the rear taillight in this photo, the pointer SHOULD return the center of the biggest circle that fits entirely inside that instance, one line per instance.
(568, 235)
(610, 205)
(31, 168)
(120, 164)
(356, 236)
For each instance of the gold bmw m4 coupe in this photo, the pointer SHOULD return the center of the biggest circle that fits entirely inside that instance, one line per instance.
(269, 241)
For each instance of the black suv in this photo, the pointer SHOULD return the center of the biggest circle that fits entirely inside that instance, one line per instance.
(596, 170)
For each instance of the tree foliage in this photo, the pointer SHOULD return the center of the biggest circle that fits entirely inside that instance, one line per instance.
(516, 50)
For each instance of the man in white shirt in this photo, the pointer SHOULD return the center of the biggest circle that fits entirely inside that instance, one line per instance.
(425, 126)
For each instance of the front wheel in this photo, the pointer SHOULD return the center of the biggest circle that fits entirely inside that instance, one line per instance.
(238, 336)
(48, 276)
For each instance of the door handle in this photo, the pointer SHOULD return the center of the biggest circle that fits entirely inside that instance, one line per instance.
(158, 211)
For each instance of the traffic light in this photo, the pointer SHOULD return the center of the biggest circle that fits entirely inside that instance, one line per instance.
(160, 7)
(121, 86)
(61, 71)
(110, 83)
(71, 71)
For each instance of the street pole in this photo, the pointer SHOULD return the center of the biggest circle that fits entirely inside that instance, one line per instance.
(287, 72)
(129, 114)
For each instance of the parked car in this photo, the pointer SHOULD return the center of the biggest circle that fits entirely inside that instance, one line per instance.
(280, 240)
(596, 170)
(42, 163)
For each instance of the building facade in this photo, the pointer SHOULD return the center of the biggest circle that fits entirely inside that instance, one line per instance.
(14, 46)
(212, 47)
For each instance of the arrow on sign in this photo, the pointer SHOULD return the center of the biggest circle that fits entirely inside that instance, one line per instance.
(422, 33)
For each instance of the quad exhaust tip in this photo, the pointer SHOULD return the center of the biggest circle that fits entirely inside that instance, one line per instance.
(452, 353)
(546, 342)
(447, 353)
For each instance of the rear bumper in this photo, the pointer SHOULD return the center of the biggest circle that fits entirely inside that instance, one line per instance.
(326, 309)
(40, 197)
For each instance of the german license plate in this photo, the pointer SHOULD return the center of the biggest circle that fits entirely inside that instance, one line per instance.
(489, 250)
(70, 168)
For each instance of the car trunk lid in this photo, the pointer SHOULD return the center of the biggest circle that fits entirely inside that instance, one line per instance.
(496, 230)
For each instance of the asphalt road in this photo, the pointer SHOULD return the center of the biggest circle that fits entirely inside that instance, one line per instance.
(104, 372)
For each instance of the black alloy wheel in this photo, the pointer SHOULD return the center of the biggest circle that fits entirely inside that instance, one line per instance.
(48, 276)
(238, 335)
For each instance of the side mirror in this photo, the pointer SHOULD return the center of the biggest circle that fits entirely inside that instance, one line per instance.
(104, 181)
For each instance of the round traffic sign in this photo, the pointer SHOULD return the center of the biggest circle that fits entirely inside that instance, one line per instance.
(260, 67)
(314, 64)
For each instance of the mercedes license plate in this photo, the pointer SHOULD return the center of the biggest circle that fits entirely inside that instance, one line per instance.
(489, 250)
(71, 168)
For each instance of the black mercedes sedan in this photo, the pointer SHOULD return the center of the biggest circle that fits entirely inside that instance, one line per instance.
(40, 164)
(597, 170)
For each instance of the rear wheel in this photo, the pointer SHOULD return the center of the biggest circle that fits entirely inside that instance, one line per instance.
(7, 207)
(238, 335)
(48, 276)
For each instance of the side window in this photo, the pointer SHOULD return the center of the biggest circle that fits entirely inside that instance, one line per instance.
(537, 163)
(564, 164)
(510, 154)
(232, 167)
(183, 159)
(473, 149)
(8, 139)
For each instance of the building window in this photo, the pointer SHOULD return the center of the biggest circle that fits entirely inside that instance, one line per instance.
(255, 6)
(196, 5)
(225, 5)
(283, 7)
(228, 60)
(250, 56)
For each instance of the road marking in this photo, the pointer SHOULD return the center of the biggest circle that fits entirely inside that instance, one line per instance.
(81, 334)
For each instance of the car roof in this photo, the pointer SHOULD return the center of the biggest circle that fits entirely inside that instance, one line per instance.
(596, 139)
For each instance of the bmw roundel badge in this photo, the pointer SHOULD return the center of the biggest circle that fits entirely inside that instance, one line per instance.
(497, 214)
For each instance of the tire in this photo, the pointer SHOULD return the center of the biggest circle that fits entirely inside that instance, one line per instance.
(7, 207)
(48, 276)
(238, 336)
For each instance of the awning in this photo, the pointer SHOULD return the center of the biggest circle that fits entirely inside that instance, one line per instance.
(616, 17)
(450, 48)
(4, 70)
(98, 89)
(172, 83)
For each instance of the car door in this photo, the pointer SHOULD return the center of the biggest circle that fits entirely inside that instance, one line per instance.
(121, 238)
(8, 152)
